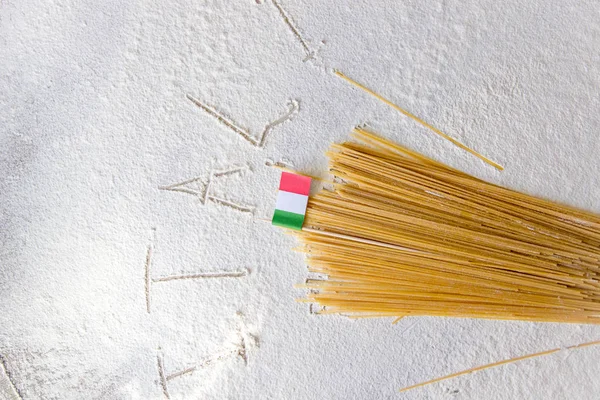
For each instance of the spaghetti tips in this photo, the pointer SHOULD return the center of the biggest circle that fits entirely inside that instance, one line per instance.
(405, 235)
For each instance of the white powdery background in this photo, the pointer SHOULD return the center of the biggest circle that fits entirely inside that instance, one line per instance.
(94, 121)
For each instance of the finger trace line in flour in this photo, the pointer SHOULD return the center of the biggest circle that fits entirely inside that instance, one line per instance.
(148, 264)
(161, 374)
(293, 106)
(180, 373)
(203, 190)
(203, 275)
(288, 21)
(149, 280)
(243, 342)
(8, 389)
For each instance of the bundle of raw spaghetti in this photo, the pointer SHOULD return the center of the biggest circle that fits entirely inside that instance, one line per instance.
(404, 235)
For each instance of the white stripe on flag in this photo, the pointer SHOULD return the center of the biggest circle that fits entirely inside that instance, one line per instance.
(291, 202)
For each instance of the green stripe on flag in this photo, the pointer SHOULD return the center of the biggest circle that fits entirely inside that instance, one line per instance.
(288, 219)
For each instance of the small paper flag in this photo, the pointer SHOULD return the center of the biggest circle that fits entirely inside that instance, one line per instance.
(292, 199)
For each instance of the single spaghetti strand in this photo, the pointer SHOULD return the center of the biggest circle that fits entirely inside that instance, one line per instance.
(420, 121)
(496, 364)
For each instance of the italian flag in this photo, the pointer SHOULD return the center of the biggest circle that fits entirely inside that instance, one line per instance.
(292, 199)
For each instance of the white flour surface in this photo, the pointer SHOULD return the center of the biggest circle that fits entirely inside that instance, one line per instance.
(96, 133)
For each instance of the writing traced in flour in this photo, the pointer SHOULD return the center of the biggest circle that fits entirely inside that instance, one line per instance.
(240, 345)
(8, 389)
(205, 275)
(283, 163)
(293, 108)
(161, 374)
(202, 188)
(182, 372)
(149, 280)
(290, 24)
(259, 142)
(194, 186)
(231, 204)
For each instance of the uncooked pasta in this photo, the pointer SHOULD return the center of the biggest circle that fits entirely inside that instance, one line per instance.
(399, 234)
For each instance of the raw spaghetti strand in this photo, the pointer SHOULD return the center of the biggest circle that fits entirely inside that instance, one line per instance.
(403, 235)
(419, 120)
(499, 363)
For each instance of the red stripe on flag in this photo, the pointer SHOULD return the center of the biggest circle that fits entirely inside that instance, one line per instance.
(294, 183)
